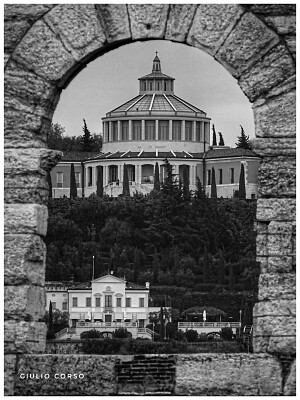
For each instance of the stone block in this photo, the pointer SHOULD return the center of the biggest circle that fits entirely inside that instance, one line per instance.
(272, 147)
(179, 21)
(277, 286)
(24, 260)
(283, 24)
(114, 20)
(276, 265)
(274, 9)
(276, 116)
(98, 371)
(249, 41)
(290, 384)
(262, 244)
(276, 210)
(277, 177)
(28, 93)
(24, 337)
(275, 67)
(78, 27)
(291, 44)
(10, 365)
(212, 24)
(148, 20)
(25, 219)
(29, 195)
(28, 12)
(279, 326)
(14, 30)
(227, 375)
(275, 308)
(25, 302)
(42, 52)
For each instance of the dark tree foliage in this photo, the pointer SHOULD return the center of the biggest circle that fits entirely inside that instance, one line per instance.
(242, 184)
(73, 186)
(86, 139)
(156, 177)
(213, 193)
(221, 268)
(100, 181)
(136, 264)
(126, 189)
(221, 140)
(185, 183)
(214, 141)
(49, 181)
(155, 266)
(243, 140)
(50, 330)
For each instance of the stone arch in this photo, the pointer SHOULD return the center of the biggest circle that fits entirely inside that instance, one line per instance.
(47, 45)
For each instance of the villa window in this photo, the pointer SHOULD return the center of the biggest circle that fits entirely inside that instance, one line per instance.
(198, 132)
(150, 85)
(157, 86)
(220, 176)
(163, 130)
(149, 130)
(98, 302)
(188, 130)
(144, 86)
(108, 300)
(209, 177)
(166, 86)
(59, 179)
(90, 176)
(141, 302)
(128, 302)
(119, 302)
(114, 127)
(88, 302)
(137, 130)
(53, 305)
(176, 130)
(64, 305)
(231, 175)
(77, 179)
(125, 128)
(75, 301)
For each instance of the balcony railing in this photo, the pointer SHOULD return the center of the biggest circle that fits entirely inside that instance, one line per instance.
(191, 325)
(95, 324)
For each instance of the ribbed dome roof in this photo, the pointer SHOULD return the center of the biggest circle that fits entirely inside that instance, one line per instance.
(156, 102)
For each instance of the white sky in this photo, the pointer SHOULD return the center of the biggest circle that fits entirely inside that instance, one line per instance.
(112, 79)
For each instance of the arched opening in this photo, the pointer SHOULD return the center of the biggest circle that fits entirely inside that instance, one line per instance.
(147, 173)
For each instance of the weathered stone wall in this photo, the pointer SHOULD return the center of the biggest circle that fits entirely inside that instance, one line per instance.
(45, 47)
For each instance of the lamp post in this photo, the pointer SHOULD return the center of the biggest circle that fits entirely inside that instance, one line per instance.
(93, 268)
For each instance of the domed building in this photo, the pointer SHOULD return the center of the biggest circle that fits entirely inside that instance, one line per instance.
(154, 126)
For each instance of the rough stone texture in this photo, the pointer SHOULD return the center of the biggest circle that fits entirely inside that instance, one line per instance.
(148, 21)
(274, 9)
(78, 28)
(27, 92)
(24, 302)
(99, 375)
(290, 384)
(274, 146)
(276, 115)
(275, 67)
(24, 337)
(10, 361)
(261, 244)
(283, 24)
(212, 24)
(25, 219)
(247, 43)
(227, 375)
(13, 33)
(179, 21)
(114, 21)
(24, 260)
(276, 210)
(46, 55)
(276, 265)
(277, 177)
(291, 44)
(277, 286)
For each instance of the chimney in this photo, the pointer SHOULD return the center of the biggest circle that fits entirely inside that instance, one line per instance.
(147, 284)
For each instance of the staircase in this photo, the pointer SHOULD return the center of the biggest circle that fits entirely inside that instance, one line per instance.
(145, 333)
(248, 335)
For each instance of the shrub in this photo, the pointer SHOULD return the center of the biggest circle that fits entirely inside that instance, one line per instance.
(179, 335)
(102, 346)
(121, 333)
(226, 333)
(191, 335)
(50, 335)
(92, 334)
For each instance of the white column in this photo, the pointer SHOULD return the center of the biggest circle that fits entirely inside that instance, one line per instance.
(182, 130)
(170, 129)
(107, 174)
(120, 175)
(103, 132)
(176, 171)
(94, 176)
(156, 129)
(130, 129)
(138, 173)
(119, 131)
(192, 175)
(194, 132)
(110, 131)
(143, 129)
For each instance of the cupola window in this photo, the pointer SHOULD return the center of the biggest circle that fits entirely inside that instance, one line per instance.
(199, 136)
(124, 130)
(137, 130)
(149, 130)
(188, 130)
(163, 130)
(176, 130)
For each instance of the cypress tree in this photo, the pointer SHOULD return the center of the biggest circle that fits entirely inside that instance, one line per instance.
(50, 331)
(242, 185)
(86, 141)
(100, 181)
(49, 181)
(199, 192)
(214, 143)
(185, 183)
(213, 193)
(221, 141)
(243, 140)
(126, 190)
(162, 324)
(73, 187)
(156, 177)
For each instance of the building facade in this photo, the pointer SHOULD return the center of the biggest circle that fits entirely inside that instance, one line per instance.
(153, 126)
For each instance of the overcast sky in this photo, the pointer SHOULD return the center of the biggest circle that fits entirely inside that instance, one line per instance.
(112, 79)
